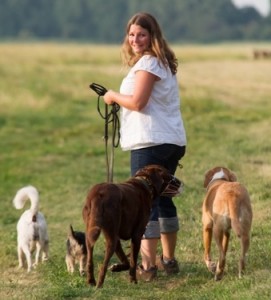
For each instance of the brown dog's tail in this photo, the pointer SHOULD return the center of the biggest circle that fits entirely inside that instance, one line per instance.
(94, 234)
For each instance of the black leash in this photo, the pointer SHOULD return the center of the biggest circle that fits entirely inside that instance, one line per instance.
(109, 117)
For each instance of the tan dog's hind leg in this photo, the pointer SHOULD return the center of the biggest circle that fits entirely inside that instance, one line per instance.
(207, 239)
(222, 241)
(245, 241)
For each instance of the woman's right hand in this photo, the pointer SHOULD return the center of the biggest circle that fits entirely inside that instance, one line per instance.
(109, 97)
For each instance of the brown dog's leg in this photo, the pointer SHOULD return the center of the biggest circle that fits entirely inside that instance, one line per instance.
(207, 239)
(90, 267)
(124, 265)
(109, 251)
(135, 247)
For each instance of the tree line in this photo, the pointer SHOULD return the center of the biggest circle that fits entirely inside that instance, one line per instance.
(101, 21)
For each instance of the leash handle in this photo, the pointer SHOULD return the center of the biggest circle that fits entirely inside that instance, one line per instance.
(109, 117)
(98, 89)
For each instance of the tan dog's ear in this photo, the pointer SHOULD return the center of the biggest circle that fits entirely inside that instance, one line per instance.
(232, 176)
(207, 177)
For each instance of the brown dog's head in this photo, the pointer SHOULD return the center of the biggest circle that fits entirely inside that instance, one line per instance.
(218, 173)
(160, 180)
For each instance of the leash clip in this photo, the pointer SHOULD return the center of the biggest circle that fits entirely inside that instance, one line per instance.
(180, 165)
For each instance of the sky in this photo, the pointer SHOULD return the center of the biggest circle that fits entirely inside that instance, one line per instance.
(263, 6)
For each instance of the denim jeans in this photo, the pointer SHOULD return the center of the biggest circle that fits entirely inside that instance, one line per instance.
(168, 156)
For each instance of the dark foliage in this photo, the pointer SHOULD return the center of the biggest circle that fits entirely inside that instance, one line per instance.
(104, 21)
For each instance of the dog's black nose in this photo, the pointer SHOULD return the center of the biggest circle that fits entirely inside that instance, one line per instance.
(175, 181)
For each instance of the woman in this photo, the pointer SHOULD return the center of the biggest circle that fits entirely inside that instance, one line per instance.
(152, 129)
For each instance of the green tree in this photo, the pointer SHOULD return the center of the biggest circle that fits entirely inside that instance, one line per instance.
(104, 21)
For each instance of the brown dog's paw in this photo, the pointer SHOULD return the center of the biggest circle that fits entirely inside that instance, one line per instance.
(119, 267)
(91, 282)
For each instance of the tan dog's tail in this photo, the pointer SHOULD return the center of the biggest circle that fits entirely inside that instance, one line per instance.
(240, 210)
(235, 221)
(236, 226)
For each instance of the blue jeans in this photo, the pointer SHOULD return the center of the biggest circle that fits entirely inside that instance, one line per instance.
(168, 156)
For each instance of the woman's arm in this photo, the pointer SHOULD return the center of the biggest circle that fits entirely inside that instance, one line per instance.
(144, 82)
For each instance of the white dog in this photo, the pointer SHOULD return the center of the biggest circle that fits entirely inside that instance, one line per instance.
(31, 228)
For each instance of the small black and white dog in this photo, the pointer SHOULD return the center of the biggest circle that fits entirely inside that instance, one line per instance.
(31, 228)
(76, 251)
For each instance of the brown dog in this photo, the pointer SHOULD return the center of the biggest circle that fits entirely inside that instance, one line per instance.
(121, 211)
(226, 205)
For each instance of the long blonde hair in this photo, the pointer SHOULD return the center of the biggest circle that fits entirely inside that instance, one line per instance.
(158, 46)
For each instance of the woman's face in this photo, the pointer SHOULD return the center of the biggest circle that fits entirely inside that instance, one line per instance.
(139, 39)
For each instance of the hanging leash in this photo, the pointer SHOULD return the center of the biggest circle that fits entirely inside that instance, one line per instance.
(109, 117)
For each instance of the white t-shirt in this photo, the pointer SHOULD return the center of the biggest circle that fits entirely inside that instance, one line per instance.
(160, 121)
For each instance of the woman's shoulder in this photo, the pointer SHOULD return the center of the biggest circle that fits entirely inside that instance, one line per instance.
(149, 58)
(147, 62)
(150, 64)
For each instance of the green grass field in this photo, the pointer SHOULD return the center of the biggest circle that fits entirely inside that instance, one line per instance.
(51, 136)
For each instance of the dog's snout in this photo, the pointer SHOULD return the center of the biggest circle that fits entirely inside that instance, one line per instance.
(178, 183)
(175, 181)
(174, 187)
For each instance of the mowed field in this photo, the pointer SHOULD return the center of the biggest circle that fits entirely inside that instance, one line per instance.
(51, 136)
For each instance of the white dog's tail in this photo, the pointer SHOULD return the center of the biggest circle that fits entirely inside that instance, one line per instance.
(25, 193)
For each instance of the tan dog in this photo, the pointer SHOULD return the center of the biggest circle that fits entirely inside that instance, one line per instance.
(226, 205)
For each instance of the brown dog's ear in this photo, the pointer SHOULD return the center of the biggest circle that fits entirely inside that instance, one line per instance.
(154, 173)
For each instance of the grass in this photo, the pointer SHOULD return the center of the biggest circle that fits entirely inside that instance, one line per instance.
(51, 137)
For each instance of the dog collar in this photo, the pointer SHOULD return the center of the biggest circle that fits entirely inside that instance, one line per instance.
(146, 183)
(217, 176)
(213, 180)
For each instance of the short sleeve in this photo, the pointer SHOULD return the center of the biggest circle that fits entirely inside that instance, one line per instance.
(152, 65)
